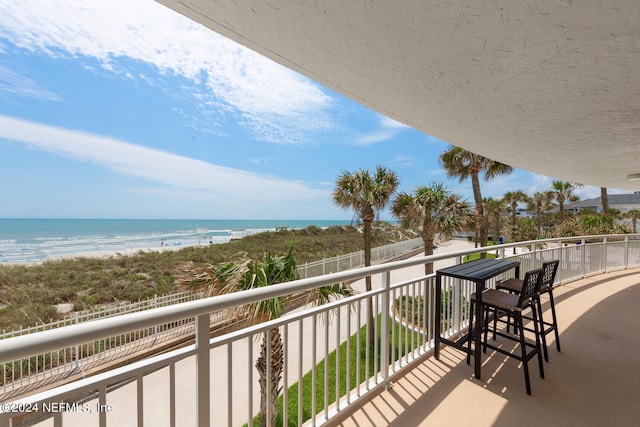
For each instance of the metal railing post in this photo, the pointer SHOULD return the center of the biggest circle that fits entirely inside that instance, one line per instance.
(560, 269)
(203, 370)
(604, 244)
(534, 255)
(384, 329)
(626, 252)
(457, 306)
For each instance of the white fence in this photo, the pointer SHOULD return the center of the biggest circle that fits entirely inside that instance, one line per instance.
(356, 259)
(214, 381)
(114, 310)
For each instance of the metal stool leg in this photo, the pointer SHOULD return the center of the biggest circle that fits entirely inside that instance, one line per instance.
(554, 319)
(523, 350)
(542, 328)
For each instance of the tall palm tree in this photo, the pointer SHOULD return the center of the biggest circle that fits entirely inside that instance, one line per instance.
(564, 192)
(434, 209)
(604, 197)
(634, 215)
(367, 195)
(494, 209)
(464, 164)
(228, 277)
(512, 198)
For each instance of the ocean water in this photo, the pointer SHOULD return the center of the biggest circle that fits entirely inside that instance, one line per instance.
(34, 240)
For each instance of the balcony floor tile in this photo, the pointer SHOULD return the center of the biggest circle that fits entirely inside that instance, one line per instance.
(592, 382)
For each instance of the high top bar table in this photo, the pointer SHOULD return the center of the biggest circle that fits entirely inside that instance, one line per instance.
(478, 271)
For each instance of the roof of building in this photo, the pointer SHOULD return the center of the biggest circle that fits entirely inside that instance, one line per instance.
(614, 199)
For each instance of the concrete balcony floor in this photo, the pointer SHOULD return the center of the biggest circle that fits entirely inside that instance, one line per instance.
(594, 381)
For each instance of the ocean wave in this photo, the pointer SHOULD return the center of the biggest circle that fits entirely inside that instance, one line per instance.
(32, 240)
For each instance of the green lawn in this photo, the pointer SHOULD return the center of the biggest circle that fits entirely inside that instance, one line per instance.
(473, 257)
(332, 367)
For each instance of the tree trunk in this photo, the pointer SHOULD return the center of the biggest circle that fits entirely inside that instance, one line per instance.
(604, 197)
(428, 238)
(270, 396)
(367, 248)
(539, 219)
(367, 218)
(477, 195)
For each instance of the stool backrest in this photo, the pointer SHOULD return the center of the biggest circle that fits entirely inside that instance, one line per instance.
(530, 286)
(550, 269)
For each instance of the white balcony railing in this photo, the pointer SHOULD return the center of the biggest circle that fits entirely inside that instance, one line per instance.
(214, 381)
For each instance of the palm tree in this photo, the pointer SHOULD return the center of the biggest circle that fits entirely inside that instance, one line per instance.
(541, 202)
(434, 209)
(463, 164)
(229, 277)
(634, 215)
(564, 192)
(512, 198)
(367, 195)
(494, 209)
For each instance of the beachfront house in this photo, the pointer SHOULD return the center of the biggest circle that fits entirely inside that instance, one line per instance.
(550, 87)
(621, 202)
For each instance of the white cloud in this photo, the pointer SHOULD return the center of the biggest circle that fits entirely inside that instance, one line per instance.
(276, 103)
(402, 161)
(171, 170)
(387, 129)
(13, 84)
(392, 124)
(540, 184)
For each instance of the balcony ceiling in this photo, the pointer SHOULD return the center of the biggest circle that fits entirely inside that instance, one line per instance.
(548, 86)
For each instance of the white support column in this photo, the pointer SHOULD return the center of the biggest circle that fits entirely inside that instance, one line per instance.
(203, 371)
(384, 329)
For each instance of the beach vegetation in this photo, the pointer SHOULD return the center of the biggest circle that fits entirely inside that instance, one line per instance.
(30, 293)
(633, 215)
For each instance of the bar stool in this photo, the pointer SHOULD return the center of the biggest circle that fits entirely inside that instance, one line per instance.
(498, 304)
(514, 285)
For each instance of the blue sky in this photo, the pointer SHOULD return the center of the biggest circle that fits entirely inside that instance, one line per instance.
(126, 109)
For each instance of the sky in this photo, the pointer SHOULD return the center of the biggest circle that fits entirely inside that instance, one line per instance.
(127, 109)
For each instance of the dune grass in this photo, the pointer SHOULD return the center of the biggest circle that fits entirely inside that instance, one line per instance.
(31, 292)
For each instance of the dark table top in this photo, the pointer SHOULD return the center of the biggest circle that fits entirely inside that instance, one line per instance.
(480, 269)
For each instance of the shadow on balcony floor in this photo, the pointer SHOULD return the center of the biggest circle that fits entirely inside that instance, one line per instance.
(593, 382)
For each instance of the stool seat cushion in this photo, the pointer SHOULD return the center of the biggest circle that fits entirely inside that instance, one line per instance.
(499, 299)
(511, 285)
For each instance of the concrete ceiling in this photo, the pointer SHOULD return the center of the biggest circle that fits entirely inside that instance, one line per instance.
(548, 86)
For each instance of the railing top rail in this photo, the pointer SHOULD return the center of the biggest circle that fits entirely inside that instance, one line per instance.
(27, 345)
